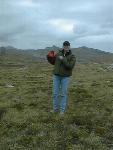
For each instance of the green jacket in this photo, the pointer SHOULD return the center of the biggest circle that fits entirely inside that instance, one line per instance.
(64, 67)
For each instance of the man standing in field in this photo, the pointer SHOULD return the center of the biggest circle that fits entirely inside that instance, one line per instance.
(64, 62)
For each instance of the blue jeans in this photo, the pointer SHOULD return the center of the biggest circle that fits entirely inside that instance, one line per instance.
(60, 84)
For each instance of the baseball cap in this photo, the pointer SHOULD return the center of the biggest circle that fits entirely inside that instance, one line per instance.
(66, 43)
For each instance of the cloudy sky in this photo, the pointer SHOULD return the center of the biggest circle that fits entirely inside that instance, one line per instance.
(41, 23)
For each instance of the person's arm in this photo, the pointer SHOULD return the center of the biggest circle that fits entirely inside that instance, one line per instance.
(69, 64)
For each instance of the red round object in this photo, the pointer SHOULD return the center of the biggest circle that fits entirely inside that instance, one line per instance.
(51, 54)
(51, 57)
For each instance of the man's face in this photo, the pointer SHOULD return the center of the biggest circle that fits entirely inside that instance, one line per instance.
(66, 48)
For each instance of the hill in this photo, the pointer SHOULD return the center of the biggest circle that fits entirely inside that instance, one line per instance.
(10, 56)
(83, 54)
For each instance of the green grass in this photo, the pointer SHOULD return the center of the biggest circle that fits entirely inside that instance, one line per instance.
(25, 119)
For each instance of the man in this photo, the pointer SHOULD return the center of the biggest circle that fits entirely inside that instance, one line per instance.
(63, 62)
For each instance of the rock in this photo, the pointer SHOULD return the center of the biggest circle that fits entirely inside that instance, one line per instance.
(110, 67)
(9, 85)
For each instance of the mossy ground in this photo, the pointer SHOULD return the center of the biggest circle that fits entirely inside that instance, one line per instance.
(26, 122)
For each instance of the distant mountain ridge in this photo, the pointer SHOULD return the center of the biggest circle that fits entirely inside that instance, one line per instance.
(83, 54)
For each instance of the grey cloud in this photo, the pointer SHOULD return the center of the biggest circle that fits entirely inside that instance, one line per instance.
(84, 30)
(27, 23)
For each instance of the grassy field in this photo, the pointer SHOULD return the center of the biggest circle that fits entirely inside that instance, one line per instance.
(26, 122)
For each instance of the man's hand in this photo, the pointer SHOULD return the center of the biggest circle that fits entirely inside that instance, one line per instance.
(61, 57)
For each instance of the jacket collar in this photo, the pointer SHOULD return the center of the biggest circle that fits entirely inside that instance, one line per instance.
(67, 53)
